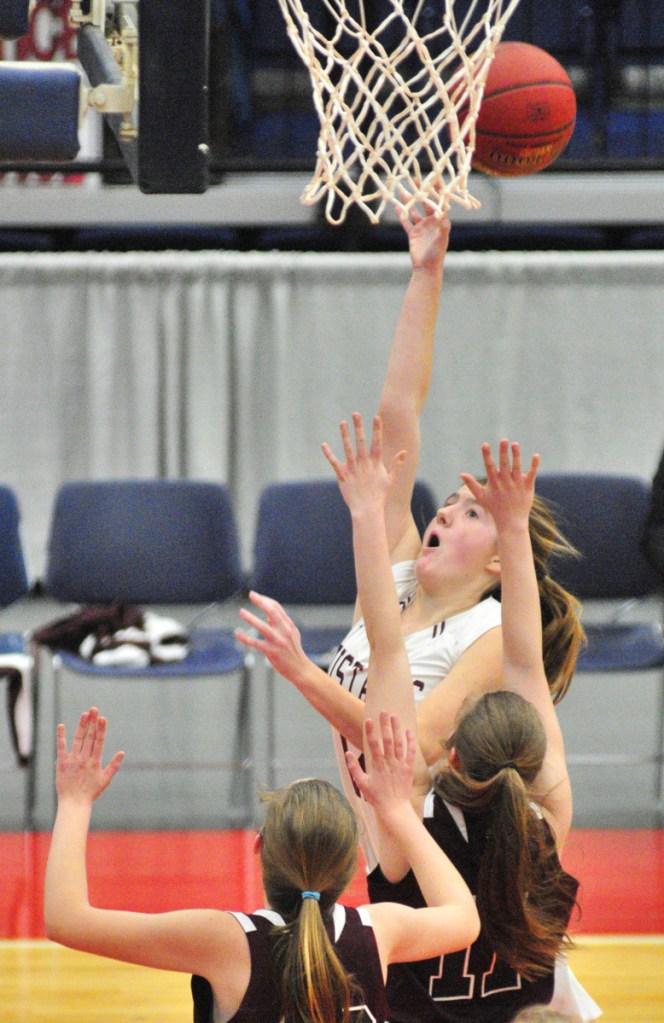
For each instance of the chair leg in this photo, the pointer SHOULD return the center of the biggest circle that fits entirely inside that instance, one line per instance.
(31, 787)
(37, 680)
(243, 757)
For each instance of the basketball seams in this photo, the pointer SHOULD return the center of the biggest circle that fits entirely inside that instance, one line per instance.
(545, 82)
(543, 135)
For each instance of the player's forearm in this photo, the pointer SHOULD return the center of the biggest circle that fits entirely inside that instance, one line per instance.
(521, 612)
(343, 710)
(389, 686)
(66, 885)
(409, 366)
(375, 582)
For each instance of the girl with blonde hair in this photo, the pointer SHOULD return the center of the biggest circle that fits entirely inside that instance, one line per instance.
(304, 959)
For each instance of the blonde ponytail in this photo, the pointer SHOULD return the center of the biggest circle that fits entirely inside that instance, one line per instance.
(313, 853)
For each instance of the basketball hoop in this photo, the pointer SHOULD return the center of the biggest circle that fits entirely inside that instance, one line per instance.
(397, 100)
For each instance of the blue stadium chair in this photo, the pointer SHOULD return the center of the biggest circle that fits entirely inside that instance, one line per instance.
(303, 548)
(14, 18)
(13, 573)
(158, 542)
(303, 556)
(603, 516)
(40, 106)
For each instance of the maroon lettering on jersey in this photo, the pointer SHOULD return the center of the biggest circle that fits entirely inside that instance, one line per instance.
(341, 652)
(346, 668)
(339, 669)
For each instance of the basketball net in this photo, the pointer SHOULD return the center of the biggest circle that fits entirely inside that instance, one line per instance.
(397, 100)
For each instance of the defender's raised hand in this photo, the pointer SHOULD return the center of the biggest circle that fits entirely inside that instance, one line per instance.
(79, 773)
(387, 782)
(508, 492)
(363, 478)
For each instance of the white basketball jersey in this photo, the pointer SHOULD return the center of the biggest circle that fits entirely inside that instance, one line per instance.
(431, 653)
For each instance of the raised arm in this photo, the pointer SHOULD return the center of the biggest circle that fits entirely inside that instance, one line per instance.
(365, 482)
(402, 399)
(408, 374)
(451, 922)
(182, 940)
(278, 638)
(508, 496)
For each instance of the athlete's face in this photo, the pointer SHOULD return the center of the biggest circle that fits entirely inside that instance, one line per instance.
(460, 544)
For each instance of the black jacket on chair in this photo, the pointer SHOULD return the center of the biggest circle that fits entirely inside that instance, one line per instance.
(653, 533)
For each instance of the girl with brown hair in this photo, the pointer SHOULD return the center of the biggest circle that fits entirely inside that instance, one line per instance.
(501, 807)
(448, 581)
(306, 959)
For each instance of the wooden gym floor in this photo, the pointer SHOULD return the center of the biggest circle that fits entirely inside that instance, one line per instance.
(619, 953)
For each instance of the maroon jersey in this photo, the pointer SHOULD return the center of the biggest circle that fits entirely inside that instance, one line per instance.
(353, 937)
(472, 984)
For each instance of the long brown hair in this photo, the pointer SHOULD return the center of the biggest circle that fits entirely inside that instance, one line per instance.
(562, 632)
(309, 843)
(523, 894)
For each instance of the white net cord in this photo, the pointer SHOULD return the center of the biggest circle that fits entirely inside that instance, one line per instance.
(397, 100)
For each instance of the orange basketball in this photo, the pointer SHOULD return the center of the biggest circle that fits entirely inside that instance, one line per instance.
(527, 114)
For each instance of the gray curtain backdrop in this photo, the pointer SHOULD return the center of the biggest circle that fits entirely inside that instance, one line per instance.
(235, 366)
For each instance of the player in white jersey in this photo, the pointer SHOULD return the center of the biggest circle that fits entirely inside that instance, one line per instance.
(432, 651)
(454, 567)
(501, 806)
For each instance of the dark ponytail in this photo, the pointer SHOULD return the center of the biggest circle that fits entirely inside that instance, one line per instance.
(523, 895)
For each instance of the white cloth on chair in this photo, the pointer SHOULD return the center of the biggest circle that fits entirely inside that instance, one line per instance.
(157, 640)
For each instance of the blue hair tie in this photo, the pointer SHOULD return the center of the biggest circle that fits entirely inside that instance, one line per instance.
(311, 895)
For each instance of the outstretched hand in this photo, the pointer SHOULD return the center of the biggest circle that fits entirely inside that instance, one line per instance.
(276, 636)
(387, 783)
(508, 492)
(363, 478)
(428, 237)
(79, 773)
